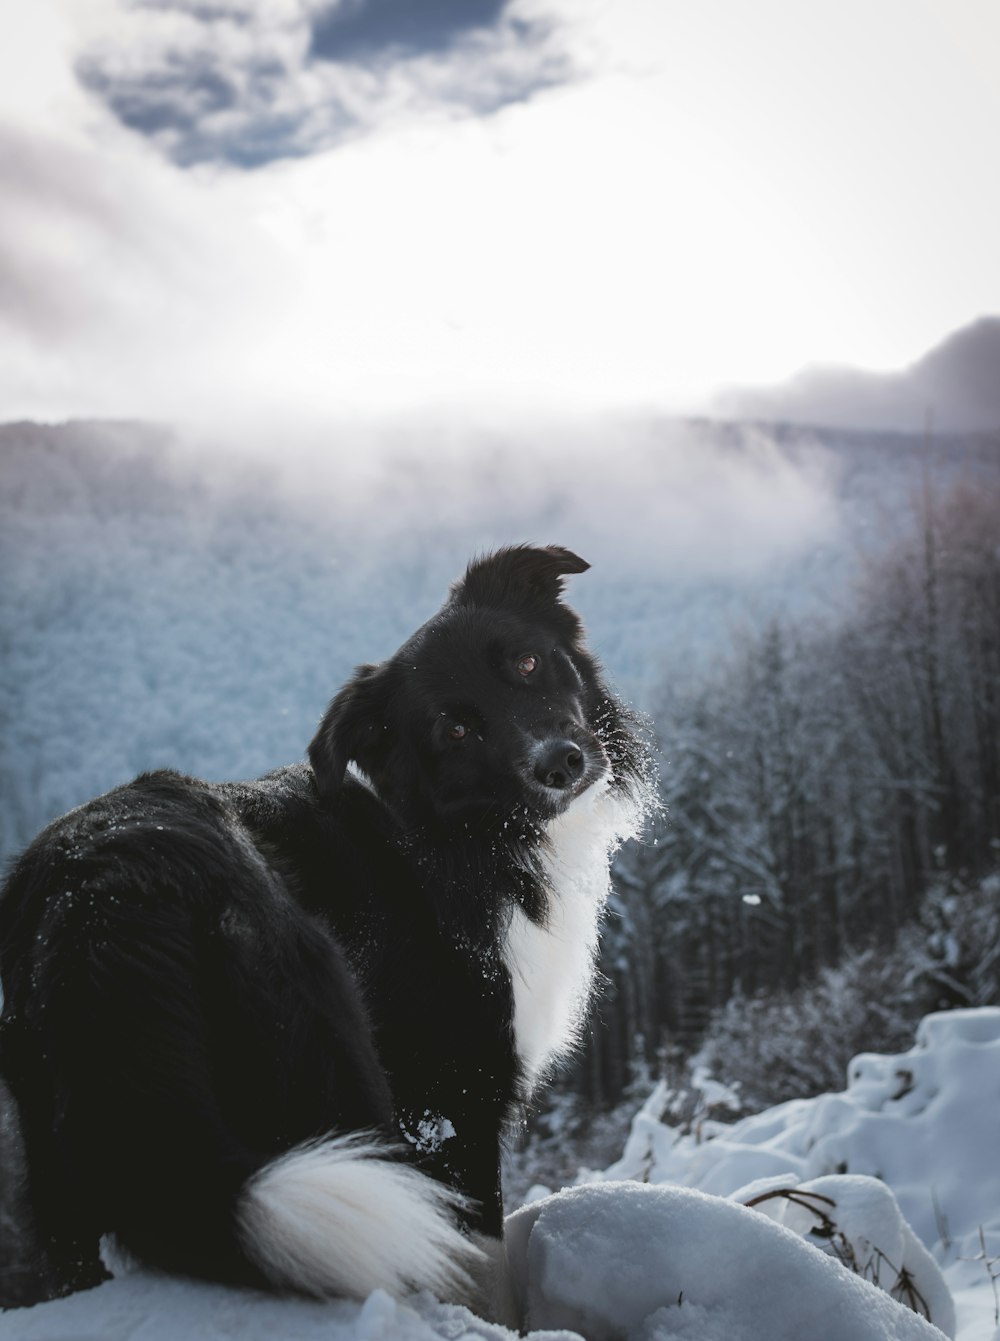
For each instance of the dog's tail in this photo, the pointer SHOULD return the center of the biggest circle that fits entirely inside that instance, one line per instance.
(337, 1217)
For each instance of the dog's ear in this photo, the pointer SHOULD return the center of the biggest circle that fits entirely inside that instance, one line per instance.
(348, 730)
(527, 572)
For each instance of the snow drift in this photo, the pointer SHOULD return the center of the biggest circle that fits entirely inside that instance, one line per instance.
(924, 1123)
(611, 1260)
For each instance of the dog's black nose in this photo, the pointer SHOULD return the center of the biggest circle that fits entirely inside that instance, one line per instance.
(559, 764)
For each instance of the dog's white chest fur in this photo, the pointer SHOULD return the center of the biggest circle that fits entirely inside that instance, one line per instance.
(551, 967)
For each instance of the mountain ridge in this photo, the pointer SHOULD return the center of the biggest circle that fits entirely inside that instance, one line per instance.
(954, 387)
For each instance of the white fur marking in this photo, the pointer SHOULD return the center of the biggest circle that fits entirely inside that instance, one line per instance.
(359, 775)
(338, 1218)
(551, 966)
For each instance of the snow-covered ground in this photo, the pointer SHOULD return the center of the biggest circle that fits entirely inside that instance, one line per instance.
(814, 1219)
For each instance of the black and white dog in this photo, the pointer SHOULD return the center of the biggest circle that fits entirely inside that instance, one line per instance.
(273, 1032)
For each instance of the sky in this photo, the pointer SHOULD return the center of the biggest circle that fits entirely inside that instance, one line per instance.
(248, 211)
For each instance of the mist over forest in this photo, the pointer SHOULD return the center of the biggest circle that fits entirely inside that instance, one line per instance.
(811, 618)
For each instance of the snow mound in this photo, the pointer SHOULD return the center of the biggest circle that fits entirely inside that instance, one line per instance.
(625, 1260)
(857, 1221)
(924, 1123)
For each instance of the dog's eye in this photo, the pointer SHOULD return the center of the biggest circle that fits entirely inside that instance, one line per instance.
(457, 731)
(527, 665)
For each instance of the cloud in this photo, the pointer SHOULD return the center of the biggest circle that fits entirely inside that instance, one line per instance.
(670, 216)
(76, 244)
(244, 85)
(119, 292)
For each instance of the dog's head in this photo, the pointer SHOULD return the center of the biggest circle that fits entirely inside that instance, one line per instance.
(493, 708)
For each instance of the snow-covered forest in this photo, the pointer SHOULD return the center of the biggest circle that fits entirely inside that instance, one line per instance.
(811, 621)
(832, 801)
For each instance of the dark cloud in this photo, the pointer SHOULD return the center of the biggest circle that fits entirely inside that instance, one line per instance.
(364, 28)
(178, 97)
(241, 84)
(192, 104)
(206, 13)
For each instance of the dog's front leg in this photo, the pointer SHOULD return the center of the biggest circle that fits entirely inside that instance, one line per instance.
(493, 1294)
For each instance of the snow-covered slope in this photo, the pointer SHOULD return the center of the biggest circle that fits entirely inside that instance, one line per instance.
(664, 1246)
(958, 381)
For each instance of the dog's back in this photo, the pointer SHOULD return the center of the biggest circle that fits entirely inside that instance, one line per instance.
(177, 1023)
